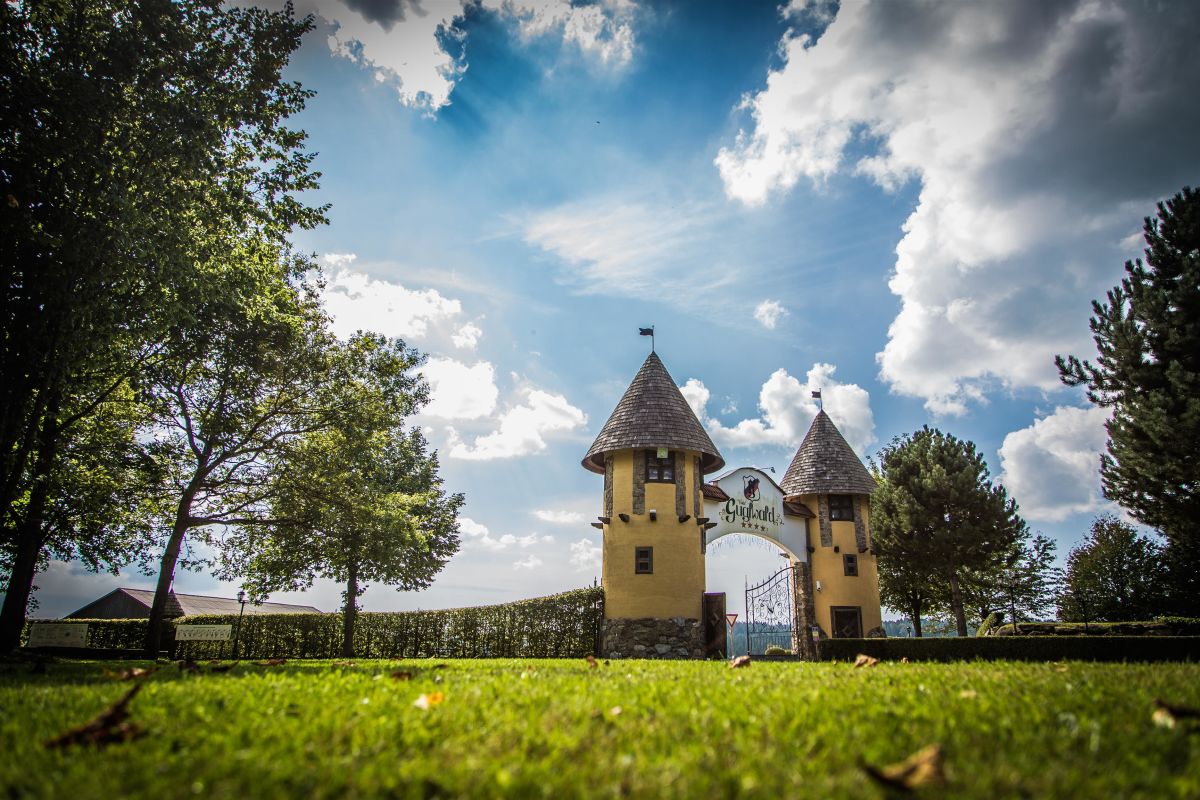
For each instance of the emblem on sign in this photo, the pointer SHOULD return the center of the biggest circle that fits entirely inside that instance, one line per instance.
(750, 487)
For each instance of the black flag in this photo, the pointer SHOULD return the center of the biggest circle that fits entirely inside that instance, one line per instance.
(645, 331)
(817, 394)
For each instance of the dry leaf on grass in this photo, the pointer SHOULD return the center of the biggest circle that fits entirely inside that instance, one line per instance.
(904, 660)
(968, 694)
(402, 675)
(591, 661)
(739, 662)
(427, 701)
(272, 662)
(112, 725)
(1169, 715)
(864, 660)
(133, 673)
(922, 768)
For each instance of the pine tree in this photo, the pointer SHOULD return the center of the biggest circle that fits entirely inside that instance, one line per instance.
(1148, 373)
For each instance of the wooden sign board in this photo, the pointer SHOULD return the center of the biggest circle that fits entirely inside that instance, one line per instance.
(58, 634)
(203, 633)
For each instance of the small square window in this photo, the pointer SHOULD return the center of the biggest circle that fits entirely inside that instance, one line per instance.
(841, 507)
(643, 560)
(850, 565)
(660, 470)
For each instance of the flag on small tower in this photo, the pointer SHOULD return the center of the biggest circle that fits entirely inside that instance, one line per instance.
(648, 332)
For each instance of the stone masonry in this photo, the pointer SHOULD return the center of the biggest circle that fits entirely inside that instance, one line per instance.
(673, 638)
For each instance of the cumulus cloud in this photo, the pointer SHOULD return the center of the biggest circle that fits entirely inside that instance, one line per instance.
(407, 44)
(1038, 133)
(467, 336)
(476, 535)
(585, 555)
(1052, 468)
(769, 312)
(522, 429)
(458, 390)
(788, 408)
(356, 301)
(558, 517)
(528, 562)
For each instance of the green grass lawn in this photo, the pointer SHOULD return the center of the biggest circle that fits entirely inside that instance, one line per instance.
(628, 728)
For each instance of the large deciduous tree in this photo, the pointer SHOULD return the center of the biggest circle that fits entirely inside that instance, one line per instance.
(133, 129)
(1147, 371)
(1114, 575)
(942, 519)
(359, 501)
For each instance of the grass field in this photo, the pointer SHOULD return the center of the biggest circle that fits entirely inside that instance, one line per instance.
(629, 728)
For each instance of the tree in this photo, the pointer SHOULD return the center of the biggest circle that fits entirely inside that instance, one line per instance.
(133, 129)
(1114, 575)
(1147, 371)
(907, 581)
(362, 498)
(942, 517)
(1023, 584)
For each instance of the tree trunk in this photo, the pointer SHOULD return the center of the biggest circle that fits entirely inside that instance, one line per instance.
(166, 570)
(956, 604)
(350, 612)
(29, 536)
(915, 616)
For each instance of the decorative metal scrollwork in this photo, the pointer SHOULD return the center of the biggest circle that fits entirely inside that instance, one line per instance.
(769, 615)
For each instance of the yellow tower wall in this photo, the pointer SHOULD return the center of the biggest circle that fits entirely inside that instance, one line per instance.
(837, 588)
(676, 587)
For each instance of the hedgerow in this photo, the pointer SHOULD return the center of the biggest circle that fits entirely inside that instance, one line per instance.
(1017, 648)
(107, 634)
(559, 626)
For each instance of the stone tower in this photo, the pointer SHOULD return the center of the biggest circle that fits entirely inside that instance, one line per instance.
(826, 475)
(653, 453)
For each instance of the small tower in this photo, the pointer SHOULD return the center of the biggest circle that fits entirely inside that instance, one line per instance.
(653, 453)
(827, 475)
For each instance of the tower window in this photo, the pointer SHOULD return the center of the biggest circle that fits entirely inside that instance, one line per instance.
(850, 565)
(660, 470)
(643, 560)
(841, 507)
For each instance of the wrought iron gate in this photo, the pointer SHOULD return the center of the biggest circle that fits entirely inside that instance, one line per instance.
(769, 617)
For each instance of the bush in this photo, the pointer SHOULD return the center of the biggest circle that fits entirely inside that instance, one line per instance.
(564, 625)
(109, 634)
(1019, 648)
(776, 650)
(1164, 626)
(993, 619)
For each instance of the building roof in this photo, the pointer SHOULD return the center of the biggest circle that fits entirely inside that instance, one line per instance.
(826, 464)
(651, 414)
(184, 605)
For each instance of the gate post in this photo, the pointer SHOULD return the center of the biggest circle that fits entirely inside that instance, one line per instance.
(714, 625)
(802, 611)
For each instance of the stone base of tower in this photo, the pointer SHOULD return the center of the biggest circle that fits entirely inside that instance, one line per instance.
(676, 638)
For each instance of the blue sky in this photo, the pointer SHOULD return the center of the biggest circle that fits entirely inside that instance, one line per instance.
(909, 205)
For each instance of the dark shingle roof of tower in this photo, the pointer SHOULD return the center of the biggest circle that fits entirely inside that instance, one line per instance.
(826, 464)
(653, 413)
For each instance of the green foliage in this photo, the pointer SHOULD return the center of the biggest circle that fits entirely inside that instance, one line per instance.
(937, 521)
(639, 729)
(104, 634)
(1018, 648)
(991, 621)
(558, 626)
(1177, 626)
(1113, 575)
(1148, 372)
(776, 650)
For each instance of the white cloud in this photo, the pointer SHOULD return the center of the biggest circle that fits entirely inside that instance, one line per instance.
(585, 555)
(357, 301)
(528, 562)
(401, 42)
(1052, 468)
(522, 429)
(769, 312)
(467, 336)
(1038, 134)
(478, 536)
(788, 409)
(558, 517)
(458, 390)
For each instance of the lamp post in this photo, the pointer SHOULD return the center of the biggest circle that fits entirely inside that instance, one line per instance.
(238, 633)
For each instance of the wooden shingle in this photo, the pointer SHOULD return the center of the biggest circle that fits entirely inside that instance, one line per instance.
(826, 464)
(651, 414)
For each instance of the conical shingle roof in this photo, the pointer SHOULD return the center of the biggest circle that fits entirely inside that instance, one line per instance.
(651, 414)
(826, 464)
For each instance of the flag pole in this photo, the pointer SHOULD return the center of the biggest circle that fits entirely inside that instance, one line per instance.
(648, 332)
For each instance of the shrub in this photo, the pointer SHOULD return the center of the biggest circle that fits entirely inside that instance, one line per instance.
(108, 634)
(1019, 648)
(564, 625)
(776, 650)
(993, 619)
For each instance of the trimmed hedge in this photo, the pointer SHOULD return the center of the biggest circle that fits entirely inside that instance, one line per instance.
(1163, 626)
(1017, 648)
(109, 634)
(564, 625)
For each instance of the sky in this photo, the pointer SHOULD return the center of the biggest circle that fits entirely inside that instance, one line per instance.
(909, 205)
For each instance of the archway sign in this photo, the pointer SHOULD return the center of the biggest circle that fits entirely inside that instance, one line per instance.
(755, 506)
